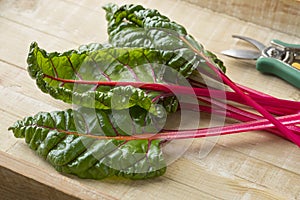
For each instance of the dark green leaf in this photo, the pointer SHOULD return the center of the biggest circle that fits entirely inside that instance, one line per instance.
(135, 26)
(67, 76)
(62, 138)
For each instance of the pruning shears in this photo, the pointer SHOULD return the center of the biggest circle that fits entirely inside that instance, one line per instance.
(279, 58)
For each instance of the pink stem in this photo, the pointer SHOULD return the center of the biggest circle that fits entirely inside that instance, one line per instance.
(252, 91)
(198, 133)
(177, 89)
(236, 113)
(288, 133)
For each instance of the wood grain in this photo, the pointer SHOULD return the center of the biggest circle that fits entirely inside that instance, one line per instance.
(18, 182)
(280, 15)
(18, 186)
(254, 165)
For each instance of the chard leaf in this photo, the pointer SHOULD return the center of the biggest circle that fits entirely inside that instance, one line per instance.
(134, 26)
(73, 76)
(63, 139)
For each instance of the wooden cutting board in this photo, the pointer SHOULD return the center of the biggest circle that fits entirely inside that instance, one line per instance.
(254, 165)
(272, 14)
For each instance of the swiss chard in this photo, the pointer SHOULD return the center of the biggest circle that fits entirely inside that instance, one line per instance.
(62, 138)
(136, 26)
(127, 88)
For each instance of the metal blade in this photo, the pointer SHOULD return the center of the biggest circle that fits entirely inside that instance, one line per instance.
(242, 54)
(260, 46)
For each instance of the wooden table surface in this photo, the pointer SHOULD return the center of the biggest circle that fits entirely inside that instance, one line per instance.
(254, 165)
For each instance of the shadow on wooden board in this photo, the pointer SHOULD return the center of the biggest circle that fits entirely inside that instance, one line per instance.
(19, 187)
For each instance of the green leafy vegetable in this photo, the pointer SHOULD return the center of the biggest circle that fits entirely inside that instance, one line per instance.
(135, 26)
(125, 87)
(64, 139)
(76, 76)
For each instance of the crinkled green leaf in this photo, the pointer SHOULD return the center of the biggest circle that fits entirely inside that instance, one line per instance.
(54, 136)
(64, 75)
(134, 26)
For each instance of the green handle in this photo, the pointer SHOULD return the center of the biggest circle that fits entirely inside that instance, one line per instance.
(286, 45)
(280, 69)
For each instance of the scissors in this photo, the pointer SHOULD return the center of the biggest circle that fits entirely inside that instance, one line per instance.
(279, 58)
